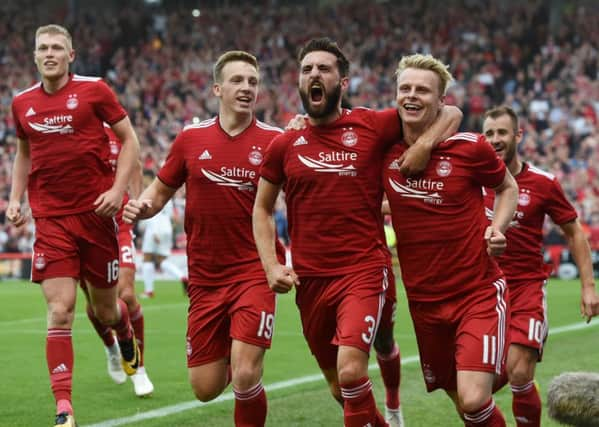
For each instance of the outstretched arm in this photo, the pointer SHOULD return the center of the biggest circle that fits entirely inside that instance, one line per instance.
(415, 159)
(280, 278)
(581, 251)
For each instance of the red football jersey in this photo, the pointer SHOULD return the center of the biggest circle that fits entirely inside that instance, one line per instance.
(68, 146)
(220, 173)
(438, 217)
(332, 183)
(540, 194)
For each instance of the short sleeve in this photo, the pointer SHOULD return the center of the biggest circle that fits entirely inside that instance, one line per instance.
(272, 168)
(174, 171)
(106, 104)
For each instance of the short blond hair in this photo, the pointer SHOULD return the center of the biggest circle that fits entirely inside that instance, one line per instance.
(55, 29)
(427, 62)
(231, 56)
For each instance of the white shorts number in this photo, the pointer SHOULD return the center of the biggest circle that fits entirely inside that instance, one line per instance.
(535, 330)
(127, 254)
(113, 270)
(367, 336)
(267, 322)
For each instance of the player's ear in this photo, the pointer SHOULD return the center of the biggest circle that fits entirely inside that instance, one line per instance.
(216, 89)
(71, 56)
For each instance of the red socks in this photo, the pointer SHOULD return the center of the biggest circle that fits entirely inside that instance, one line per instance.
(526, 405)
(250, 407)
(137, 321)
(59, 357)
(359, 407)
(487, 416)
(390, 366)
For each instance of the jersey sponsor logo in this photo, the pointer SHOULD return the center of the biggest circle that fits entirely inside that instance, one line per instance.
(324, 165)
(300, 141)
(227, 178)
(524, 197)
(205, 155)
(349, 138)
(443, 168)
(55, 124)
(39, 262)
(30, 112)
(255, 157)
(72, 101)
(422, 188)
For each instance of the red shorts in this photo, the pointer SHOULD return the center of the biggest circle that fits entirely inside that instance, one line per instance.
(244, 311)
(467, 333)
(81, 246)
(388, 315)
(342, 310)
(126, 246)
(528, 322)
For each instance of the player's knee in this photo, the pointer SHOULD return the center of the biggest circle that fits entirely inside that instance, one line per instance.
(246, 376)
(352, 371)
(205, 394)
(107, 315)
(521, 374)
(472, 399)
(128, 297)
(60, 315)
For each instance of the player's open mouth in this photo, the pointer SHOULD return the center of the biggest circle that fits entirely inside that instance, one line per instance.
(316, 93)
(412, 107)
(244, 99)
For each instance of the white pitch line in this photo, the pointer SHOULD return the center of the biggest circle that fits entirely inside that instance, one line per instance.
(184, 406)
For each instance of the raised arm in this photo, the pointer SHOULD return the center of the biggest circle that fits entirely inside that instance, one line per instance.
(20, 178)
(506, 201)
(581, 251)
(150, 202)
(109, 202)
(280, 278)
(415, 159)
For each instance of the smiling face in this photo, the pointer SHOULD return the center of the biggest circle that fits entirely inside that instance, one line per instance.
(53, 54)
(419, 98)
(321, 85)
(503, 136)
(238, 87)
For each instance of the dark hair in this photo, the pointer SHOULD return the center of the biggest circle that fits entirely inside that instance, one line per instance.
(504, 110)
(327, 45)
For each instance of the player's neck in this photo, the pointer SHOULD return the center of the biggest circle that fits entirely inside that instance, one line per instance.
(54, 85)
(233, 124)
(330, 118)
(515, 166)
(411, 134)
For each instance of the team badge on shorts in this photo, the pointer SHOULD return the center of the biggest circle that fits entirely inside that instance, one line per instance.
(349, 138)
(443, 168)
(39, 261)
(72, 102)
(429, 376)
(255, 156)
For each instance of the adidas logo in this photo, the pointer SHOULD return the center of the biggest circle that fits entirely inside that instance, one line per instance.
(300, 141)
(60, 368)
(394, 165)
(205, 155)
(30, 112)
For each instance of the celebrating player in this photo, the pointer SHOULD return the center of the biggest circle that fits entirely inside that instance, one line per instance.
(231, 311)
(540, 194)
(455, 290)
(62, 162)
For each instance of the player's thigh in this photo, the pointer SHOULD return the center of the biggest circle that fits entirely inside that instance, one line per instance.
(99, 250)
(208, 325)
(103, 302)
(252, 312)
(208, 380)
(474, 389)
(246, 364)
(521, 363)
(352, 364)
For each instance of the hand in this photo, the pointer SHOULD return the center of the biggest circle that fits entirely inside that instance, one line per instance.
(414, 159)
(109, 202)
(281, 278)
(134, 209)
(589, 302)
(14, 215)
(297, 123)
(496, 241)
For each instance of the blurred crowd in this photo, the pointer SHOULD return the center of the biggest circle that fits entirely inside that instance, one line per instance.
(542, 62)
